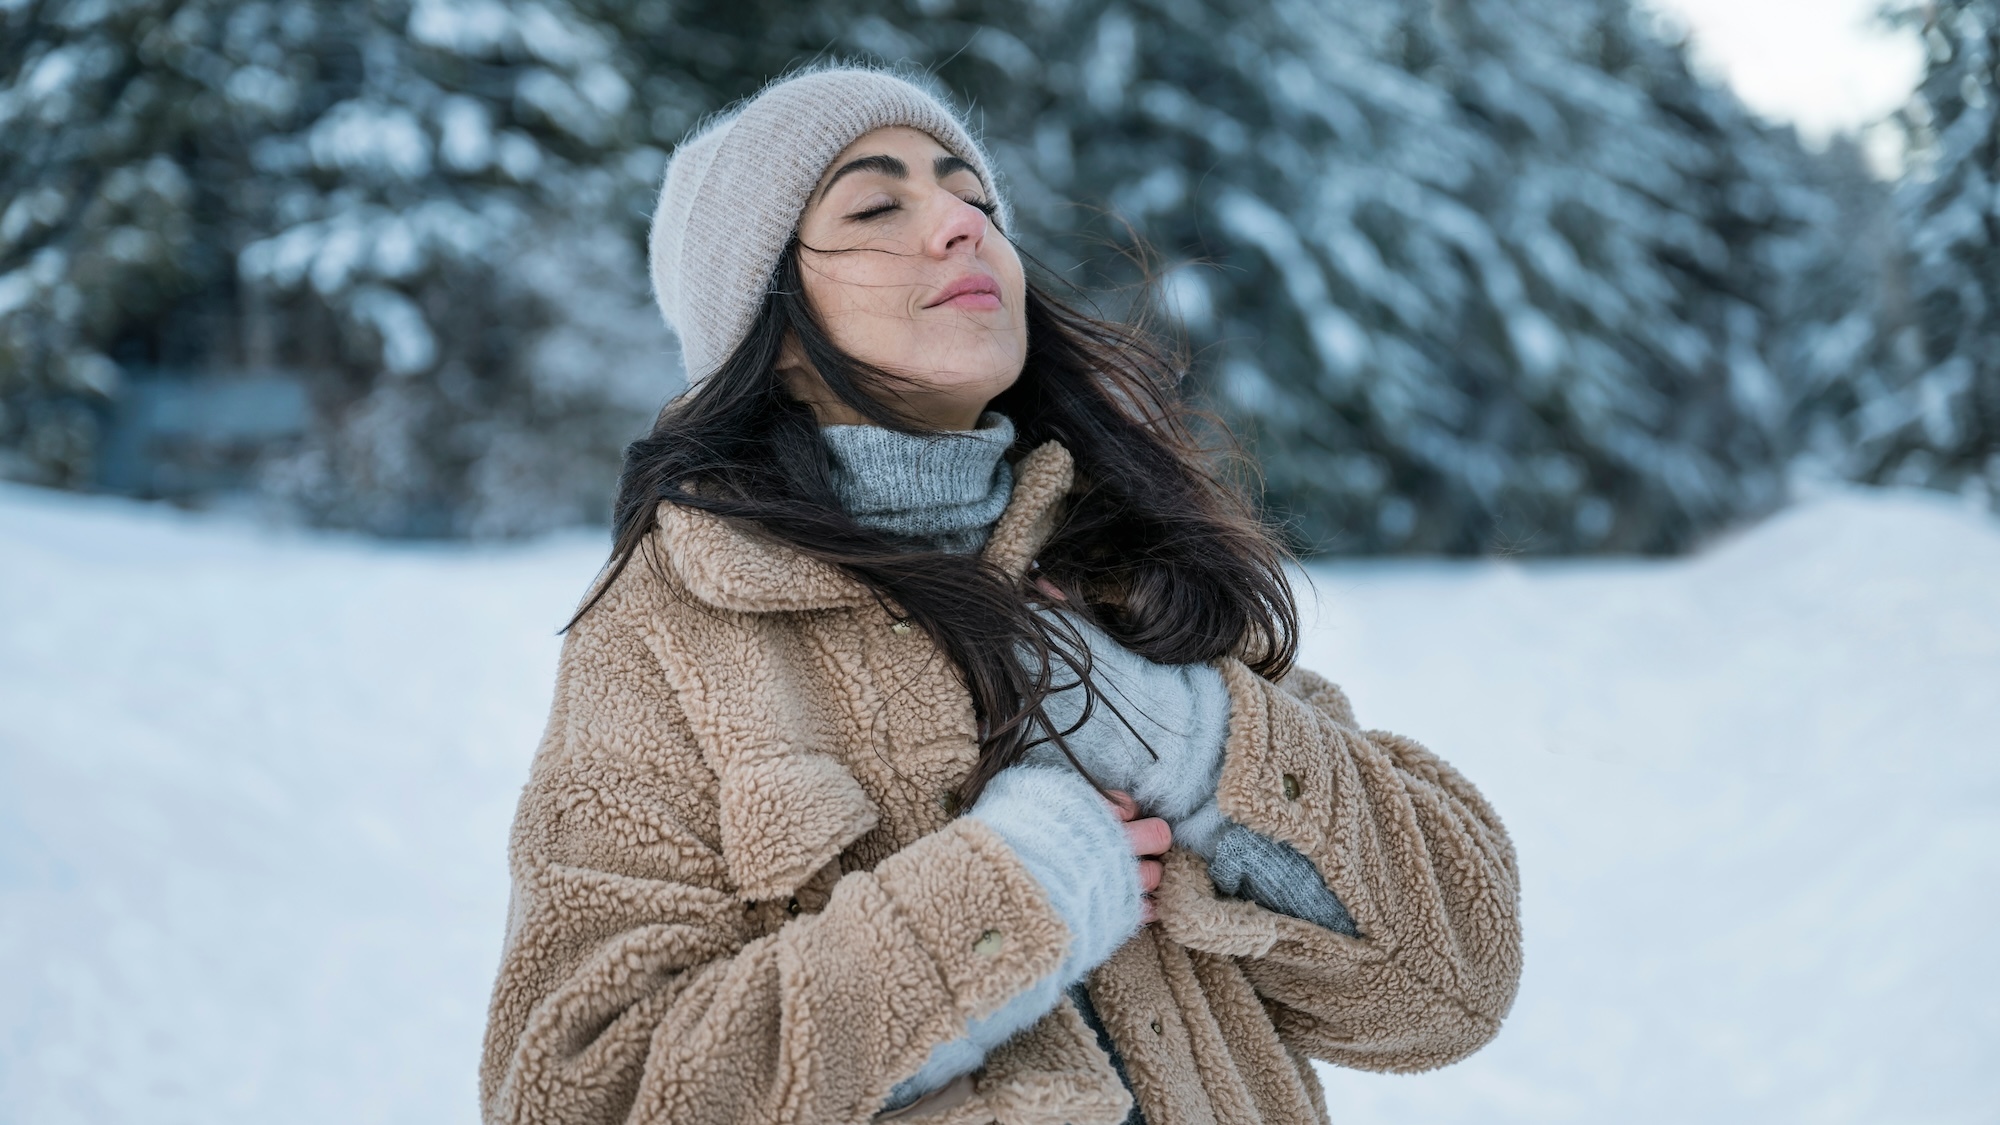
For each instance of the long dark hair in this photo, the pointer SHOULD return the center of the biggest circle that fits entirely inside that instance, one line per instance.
(1155, 545)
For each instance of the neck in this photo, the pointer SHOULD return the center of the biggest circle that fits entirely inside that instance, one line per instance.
(931, 411)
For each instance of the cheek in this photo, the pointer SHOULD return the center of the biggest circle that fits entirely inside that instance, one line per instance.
(864, 306)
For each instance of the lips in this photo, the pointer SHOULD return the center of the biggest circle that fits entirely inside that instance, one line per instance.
(974, 290)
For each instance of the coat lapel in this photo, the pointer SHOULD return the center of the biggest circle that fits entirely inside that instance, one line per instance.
(788, 807)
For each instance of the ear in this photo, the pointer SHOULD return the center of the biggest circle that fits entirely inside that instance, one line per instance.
(791, 356)
(801, 378)
(803, 383)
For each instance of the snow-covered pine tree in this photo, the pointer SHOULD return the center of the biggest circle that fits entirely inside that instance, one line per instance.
(1930, 414)
(96, 225)
(420, 207)
(1468, 276)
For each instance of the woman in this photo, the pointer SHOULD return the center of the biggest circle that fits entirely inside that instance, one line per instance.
(925, 634)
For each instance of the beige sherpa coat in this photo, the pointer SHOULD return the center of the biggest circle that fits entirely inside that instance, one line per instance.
(741, 894)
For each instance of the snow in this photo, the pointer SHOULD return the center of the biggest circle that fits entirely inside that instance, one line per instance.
(408, 345)
(1757, 805)
(1342, 345)
(466, 134)
(489, 29)
(255, 788)
(363, 138)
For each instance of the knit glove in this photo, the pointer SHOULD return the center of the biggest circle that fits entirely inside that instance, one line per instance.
(1181, 711)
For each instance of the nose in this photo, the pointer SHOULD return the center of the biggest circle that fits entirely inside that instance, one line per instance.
(961, 228)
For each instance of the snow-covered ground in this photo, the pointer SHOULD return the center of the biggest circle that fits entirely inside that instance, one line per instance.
(255, 786)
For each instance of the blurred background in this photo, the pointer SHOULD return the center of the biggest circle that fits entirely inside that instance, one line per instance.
(1468, 275)
(1627, 373)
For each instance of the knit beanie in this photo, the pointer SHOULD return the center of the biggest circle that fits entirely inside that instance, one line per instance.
(736, 187)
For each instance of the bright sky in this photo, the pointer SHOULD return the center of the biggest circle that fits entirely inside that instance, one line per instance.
(1826, 66)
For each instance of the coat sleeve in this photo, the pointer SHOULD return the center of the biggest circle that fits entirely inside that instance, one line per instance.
(636, 986)
(1412, 850)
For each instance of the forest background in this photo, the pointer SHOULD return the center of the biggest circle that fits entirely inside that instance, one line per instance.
(1465, 276)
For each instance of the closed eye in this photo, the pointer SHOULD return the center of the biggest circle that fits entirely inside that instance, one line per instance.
(986, 205)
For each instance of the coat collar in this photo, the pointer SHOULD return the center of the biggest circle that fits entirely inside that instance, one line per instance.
(732, 567)
(786, 805)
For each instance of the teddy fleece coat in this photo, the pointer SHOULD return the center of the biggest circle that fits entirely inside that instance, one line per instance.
(742, 893)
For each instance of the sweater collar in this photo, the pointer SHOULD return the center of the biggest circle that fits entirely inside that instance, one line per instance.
(733, 567)
(943, 489)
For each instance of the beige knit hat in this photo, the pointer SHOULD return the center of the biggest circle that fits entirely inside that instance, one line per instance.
(736, 187)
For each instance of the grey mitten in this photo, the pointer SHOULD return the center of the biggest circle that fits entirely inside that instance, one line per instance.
(1181, 711)
(1274, 875)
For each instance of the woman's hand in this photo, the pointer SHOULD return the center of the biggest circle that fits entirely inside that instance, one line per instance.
(1150, 837)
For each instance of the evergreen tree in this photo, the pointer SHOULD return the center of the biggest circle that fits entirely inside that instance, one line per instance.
(1466, 275)
(406, 203)
(1930, 415)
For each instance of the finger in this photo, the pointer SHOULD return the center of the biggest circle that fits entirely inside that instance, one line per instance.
(1122, 801)
(1049, 588)
(1149, 835)
(1150, 871)
(1148, 913)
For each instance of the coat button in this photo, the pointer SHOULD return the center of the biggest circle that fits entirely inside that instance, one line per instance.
(792, 905)
(1291, 787)
(948, 800)
(1157, 1029)
(900, 628)
(989, 943)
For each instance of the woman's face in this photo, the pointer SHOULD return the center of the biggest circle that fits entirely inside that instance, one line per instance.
(907, 272)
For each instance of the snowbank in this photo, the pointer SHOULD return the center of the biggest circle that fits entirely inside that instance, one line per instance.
(254, 793)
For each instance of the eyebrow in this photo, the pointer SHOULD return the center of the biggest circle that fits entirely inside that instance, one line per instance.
(893, 167)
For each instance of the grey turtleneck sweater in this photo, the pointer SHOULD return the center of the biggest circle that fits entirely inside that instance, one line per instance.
(942, 490)
(945, 491)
